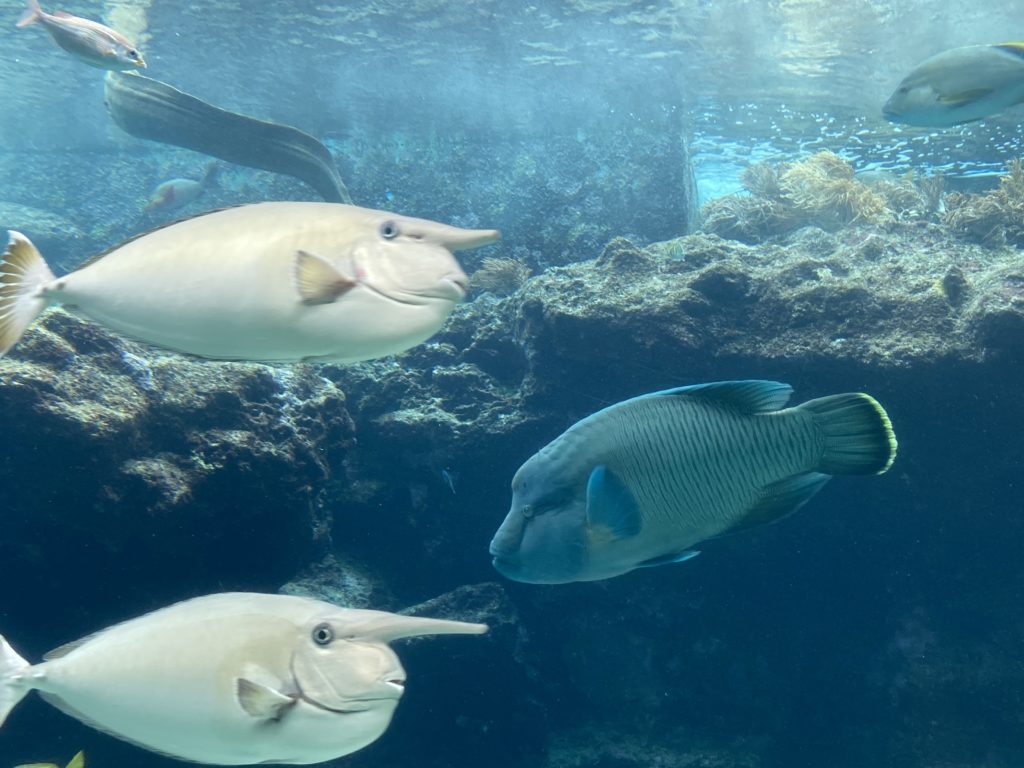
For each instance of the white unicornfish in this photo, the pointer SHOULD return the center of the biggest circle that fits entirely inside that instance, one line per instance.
(959, 85)
(640, 482)
(90, 41)
(233, 678)
(282, 281)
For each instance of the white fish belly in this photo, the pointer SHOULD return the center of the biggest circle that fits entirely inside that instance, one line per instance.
(222, 287)
(186, 717)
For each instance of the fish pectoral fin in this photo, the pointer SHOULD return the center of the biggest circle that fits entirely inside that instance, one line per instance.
(260, 701)
(780, 499)
(611, 507)
(964, 97)
(318, 281)
(675, 557)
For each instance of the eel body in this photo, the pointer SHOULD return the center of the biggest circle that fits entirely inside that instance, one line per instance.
(150, 109)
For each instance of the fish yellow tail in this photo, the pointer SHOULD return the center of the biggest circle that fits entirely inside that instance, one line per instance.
(23, 274)
(30, 16)
(858, 434)
(12, 688)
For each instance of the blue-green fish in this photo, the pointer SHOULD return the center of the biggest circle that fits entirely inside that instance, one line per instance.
(959, 86)
(640, 482)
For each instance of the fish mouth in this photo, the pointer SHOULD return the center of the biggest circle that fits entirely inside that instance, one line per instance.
(395, 689)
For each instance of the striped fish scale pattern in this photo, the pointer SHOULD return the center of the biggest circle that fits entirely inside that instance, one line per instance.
(704, 465)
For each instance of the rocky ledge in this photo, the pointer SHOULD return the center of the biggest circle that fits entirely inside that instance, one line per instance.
(131, 467)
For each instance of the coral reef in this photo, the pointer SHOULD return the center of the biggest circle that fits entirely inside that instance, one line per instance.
(381, 483)
(822, 191)
(994, 218)
(500, 275)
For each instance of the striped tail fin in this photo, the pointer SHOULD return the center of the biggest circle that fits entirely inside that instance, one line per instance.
(858, 434)
(23, 274)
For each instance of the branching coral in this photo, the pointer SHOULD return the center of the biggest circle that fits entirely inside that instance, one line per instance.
(501, 276)
(994, 218)
(820, 190)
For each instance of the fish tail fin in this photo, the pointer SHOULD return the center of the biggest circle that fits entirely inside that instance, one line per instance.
(31, 15)
(210, 174)
(12, 688)
(23, 274)
(858, 434)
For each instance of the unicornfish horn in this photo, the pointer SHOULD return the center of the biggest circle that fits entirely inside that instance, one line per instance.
(386, 627)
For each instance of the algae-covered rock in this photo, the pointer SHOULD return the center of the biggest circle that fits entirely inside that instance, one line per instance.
(51, 232)
(133, 466)
(995, 217)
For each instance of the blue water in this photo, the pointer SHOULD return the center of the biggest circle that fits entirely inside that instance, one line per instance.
(880, 626)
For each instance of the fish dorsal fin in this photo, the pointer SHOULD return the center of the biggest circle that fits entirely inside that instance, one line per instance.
(750, 396)
(317, 281)
(63, 650)
(133, 238)
(63, 15)
(961, 98)
(78, 761)
(612, 512)
(262, 702)
(781, 499)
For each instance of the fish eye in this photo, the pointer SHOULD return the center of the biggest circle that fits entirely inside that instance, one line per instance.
(389, 230)
(527, 511)
(323, 634)
(904, 89)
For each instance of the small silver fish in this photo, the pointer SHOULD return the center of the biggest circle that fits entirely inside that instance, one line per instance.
(173, 194)
(95, 44)
(959, 86)
(233, 678)
(280, 281)
(640, 482)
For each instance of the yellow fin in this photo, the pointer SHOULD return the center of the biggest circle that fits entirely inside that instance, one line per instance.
(1017, 49)
(317, 281)
(78, 761)
(965, 97)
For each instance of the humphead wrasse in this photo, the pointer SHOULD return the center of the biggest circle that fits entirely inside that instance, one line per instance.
(232, 679)
(279, 281)
(640, 482)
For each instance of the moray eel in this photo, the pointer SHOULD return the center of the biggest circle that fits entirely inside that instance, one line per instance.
(149, 109)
